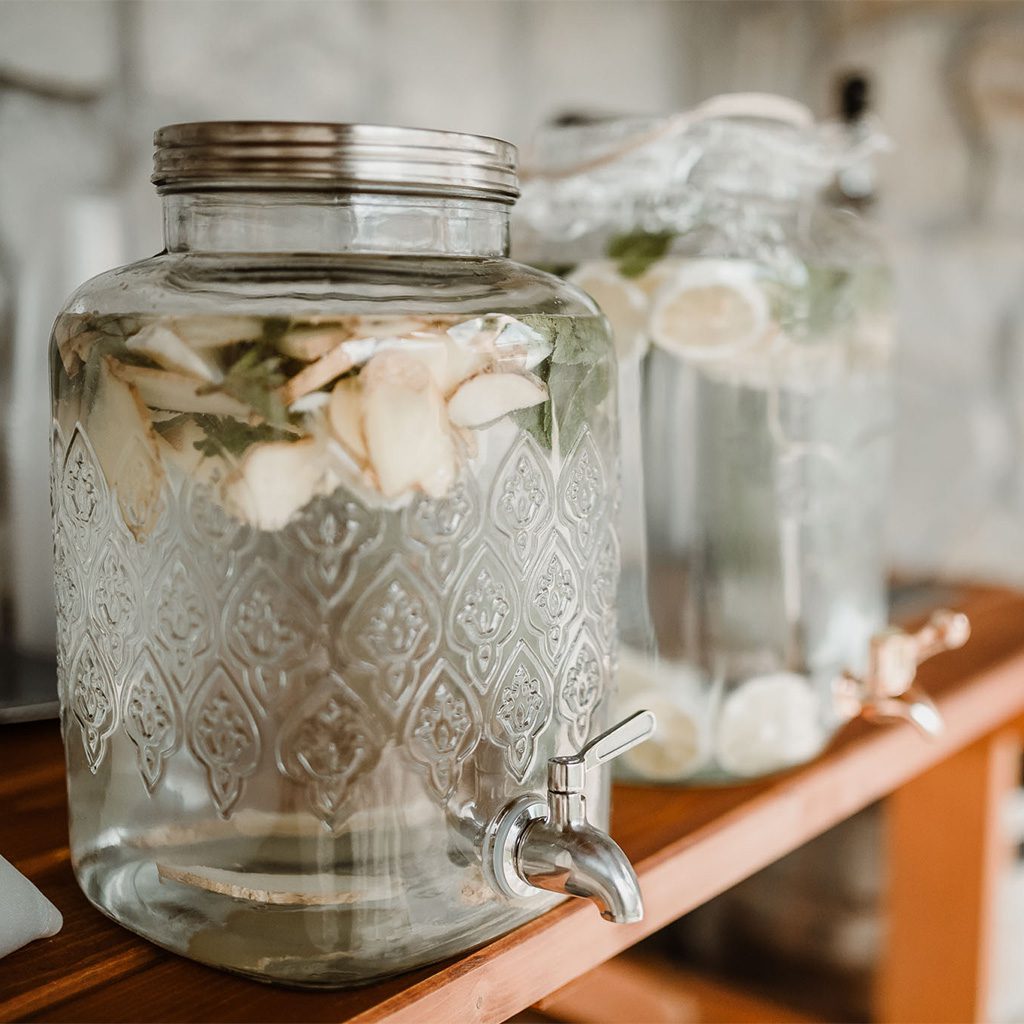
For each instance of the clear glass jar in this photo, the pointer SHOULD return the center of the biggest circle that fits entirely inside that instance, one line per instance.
(753, 325)
(333, 493)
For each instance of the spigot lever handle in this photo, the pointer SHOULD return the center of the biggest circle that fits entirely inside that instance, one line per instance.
(549, 843)
(887, 690)
(895, 655)
(618, 739)
(946, 630)
(567, 774)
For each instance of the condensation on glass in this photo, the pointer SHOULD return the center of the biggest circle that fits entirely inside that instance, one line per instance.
(333, 495)
(754, 331)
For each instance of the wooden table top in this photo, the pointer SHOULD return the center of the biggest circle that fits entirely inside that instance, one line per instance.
(687, 846)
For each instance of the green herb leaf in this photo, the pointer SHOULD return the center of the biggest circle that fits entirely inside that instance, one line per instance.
(636, 251)
(577, 375)
(253, 378)
(170, 425)
(537, 420)
(576, 390)
(274, 328)
(577, 341)
(826, 290)
(105, 346)
(228, 436)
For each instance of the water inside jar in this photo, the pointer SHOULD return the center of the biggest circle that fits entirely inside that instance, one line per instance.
(310, 603)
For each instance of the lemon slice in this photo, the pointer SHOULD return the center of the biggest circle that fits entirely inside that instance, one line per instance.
(769, 723)
(660, 273)
(621, 301)
(634, 673)
(681, 743)
(679, 746)
(709, 310)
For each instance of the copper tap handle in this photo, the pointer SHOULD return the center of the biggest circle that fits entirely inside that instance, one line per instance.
(946, 630)
(887, 690)
(914, 706)
(895, 655)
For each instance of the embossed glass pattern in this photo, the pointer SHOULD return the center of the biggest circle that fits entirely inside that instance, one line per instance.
(335, 571)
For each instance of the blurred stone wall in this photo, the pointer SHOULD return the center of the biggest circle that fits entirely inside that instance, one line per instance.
(83, 84)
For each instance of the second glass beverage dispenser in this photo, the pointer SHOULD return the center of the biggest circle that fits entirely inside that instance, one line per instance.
(754, 332)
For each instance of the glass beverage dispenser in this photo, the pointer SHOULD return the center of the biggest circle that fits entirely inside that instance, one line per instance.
(333, 491)
(753, 328)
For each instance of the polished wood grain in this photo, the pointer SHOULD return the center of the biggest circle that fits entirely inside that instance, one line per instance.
(687, 845)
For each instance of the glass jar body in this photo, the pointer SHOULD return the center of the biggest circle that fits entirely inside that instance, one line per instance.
(754, 344)
(311, 639)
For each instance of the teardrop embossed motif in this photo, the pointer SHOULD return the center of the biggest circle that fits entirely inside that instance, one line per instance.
(442, 729)
(150, 718)
(92, 699)
(442, 628)
(224, 738)
(484, 614)
(326, 744)
(444, 525)
(522, 502)
(392, 629)
(521, 709)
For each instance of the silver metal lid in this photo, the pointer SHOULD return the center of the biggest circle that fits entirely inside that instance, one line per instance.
(213, 155)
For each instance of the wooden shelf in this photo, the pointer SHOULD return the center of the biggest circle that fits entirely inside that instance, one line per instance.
(687, 846)
(644, 987)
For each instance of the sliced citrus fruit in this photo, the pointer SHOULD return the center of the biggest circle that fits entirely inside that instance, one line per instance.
(769, 723)
(621, 301)
(658, 274)
(678, 747)
(681, 743)
(709, 310)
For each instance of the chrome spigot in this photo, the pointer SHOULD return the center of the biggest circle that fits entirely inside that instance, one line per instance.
(547, 843)
(887, 690)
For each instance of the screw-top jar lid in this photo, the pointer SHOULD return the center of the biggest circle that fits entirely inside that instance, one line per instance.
(214, 155)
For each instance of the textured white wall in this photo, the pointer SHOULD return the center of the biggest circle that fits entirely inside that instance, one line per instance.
(949, 85)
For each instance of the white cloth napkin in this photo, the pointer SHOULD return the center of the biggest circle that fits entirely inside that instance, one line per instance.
(25, 913)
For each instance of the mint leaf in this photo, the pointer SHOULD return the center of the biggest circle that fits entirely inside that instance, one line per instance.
(576, 390)
(578, 376)
(170, 425)
(228, 436)
(105, 346)
(636, 251)
(274, 328)
(253, 378)
(537, 420)
(576, 341)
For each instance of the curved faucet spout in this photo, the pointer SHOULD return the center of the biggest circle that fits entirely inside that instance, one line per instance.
(580, 860)
(537, 843)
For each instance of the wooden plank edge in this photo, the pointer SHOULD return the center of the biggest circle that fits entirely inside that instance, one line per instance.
(547, 954)
(77, 983)
(638, 986)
